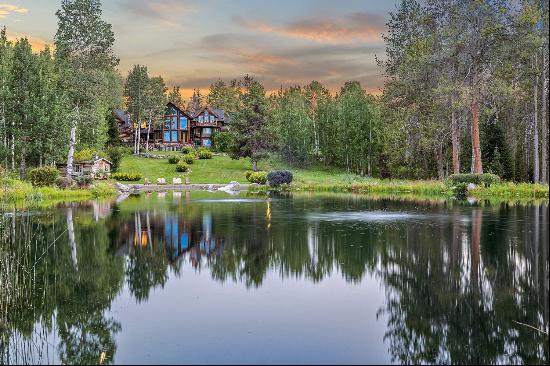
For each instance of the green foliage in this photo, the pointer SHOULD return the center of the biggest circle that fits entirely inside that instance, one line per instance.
(114, 155)
(64, 182)
(84, 181)
(43, 177)
(221, 141)
(479, 179)
(460, 191)
(173, 160)
(276, 178)
(205, 154)
(127, 177)
(256, 177)
(187, 150)
(188, 158)
(182, 167)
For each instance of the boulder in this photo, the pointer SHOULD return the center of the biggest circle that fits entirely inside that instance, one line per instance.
(122, 188)
(471, 186)
(161, 181)
(176, 181)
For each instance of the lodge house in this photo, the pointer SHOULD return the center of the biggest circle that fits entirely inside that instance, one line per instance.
(179, 127)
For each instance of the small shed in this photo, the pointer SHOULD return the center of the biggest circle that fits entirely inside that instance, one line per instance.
(95, 166)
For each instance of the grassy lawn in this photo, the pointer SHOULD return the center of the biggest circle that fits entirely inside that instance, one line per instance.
(223, 169)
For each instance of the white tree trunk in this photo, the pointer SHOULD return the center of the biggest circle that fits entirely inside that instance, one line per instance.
(72, 144)
(536, 166)
(544, 118)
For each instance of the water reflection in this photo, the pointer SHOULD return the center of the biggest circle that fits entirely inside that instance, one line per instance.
(458, 280)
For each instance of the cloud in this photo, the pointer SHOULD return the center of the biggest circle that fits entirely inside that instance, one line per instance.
(360, 26)
(7, 9)
(37, 44)
(165, 12)
(230, 55)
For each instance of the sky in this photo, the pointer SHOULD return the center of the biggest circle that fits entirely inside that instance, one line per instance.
(193, 43)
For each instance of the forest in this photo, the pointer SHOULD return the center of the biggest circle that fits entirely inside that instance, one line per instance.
(465, 91)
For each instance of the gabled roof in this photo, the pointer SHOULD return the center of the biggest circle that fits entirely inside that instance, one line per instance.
(182, 110)
(122, 115)
(219, 113)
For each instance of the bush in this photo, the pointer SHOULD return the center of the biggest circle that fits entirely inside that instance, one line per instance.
(43, 177)
(64, 182)
(276, 178)
(84, 181)
(460, 191)
(478, 179)
(221, 141)
(173, 160)
(187, 150)
(182, 167)
(256, 177)
(115, 156)
(127, 177)
(188, 158)
(205, 154)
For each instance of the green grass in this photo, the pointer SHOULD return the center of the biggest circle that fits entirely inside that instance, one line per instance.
(222, 169)
(13, 190)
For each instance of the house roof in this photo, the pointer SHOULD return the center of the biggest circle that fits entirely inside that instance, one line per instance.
(122, 115)
(219, 113)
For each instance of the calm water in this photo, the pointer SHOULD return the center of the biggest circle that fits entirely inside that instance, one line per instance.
(210, 278)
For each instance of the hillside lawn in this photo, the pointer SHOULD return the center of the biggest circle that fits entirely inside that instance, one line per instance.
(222, 169)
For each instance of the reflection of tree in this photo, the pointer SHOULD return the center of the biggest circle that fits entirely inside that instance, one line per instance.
(146, 269)
(63, 282)
(438, 314)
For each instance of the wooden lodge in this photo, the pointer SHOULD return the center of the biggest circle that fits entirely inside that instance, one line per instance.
(97, 165)
(179, 127)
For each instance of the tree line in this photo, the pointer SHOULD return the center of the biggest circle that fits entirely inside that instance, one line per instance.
(466, 91)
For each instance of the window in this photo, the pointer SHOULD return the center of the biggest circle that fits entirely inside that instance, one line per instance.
(183, 123)
(166, 136)
(174, 124)
(211, 119)
(174, 136)
(206, 131)
(206, 142)
(201, 119)
(167, 122)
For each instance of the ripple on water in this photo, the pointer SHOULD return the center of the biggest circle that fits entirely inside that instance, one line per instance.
(363, 216)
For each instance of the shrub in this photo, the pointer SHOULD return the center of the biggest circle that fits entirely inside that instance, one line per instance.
(64, 182)
(127, 177)
(43, 177)
(460, 191)
(221, 141)
(478, 179)
(188, 158)
(187, 149)
(115, 156)
(182, 167)
(276, 178)
(205, 154)
(84, 181)
(248, 174)
(173, 160)
(257, 177)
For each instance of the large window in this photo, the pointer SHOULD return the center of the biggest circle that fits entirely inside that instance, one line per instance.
(201, 118)
(206, 142)
(183, 122)
(166, 137)
(207, 131)
(211, 119)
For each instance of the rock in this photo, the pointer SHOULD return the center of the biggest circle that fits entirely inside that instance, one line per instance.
(471, 186)
(123, 188)
(231, 187)
(176, 181)
(161, 181)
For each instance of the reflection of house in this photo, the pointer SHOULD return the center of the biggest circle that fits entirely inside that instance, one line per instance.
(179, 237)
(89, 167)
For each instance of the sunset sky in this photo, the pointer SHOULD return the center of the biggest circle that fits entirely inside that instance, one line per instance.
(192, 43)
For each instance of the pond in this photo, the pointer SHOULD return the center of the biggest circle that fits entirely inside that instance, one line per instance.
(305, 278)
